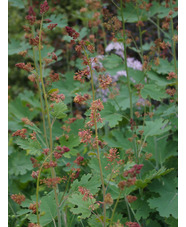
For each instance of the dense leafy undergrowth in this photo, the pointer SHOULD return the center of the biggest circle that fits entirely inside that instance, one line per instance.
(93, 113)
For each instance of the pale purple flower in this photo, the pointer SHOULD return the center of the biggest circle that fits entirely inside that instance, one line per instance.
(135, 64)
(114, 46)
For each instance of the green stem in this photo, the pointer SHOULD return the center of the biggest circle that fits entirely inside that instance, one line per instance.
(113, 212)
(97, 145)
(125, 60)
(128, 211)
(39, 89)
(174, 46)
(49, 122)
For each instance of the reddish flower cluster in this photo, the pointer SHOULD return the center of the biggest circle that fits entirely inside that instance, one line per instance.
(75, 174)
(133, 171)
(26, 121)
(108, 199)
(34, 162)
(171, 91)
(18, 198)
(81, 75)
(50, 164)
(90, 48)
(55, 97)
(32, 77)
(51, 182)
(79, 160)
(140, 24)
(85, 135)
(46, 151)
(33, 136)
(63, 149)
(131, 198)
(35, 174)
(54, 77)
(54, 56)
(23, 53)
(26, 67)
(104, 81)
(132, 176)
(113, 155)
(96, 106)
(85, 192)
(44, 7)
(132, 224)
(71, 32)
(20, 133)
(32, 207)
(171, 76)
(51, 26)
(31, 17)
(33, 225)
(34, 41)
(81, 99)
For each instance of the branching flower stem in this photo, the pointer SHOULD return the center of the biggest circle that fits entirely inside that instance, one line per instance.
(125, 60)
(113, 212)
(174, 46)
(40, 93)
(49, 122)
(97, 146)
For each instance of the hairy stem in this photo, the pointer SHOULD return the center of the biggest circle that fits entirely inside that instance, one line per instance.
(113, 212)
(49, 122)
(40, 92)
(125, 60)
(97, 145)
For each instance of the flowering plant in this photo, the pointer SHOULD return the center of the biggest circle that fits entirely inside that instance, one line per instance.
(93, 136)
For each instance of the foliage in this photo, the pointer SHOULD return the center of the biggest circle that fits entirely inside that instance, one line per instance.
(93, 110)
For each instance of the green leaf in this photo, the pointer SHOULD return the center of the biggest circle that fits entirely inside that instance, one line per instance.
(156, 127)
(31, 146)
(110, 115)
(59, 109)
(164, 67)
(81, 207)
(153, 91)
(92, 183)
(142, 183)
(130, 15)
(17, 3)
(18, 109)
(95, 221)
(29, 98)
(72, 141)
(142, 208)
(59, 19)
(172, 222)
(48, 208)
(167, 202)
(159, 80)
(14, 47)
(117, 139)
(67, 86)
(19, 164)
(151, 223)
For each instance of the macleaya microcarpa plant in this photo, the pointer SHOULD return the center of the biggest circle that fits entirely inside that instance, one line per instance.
(101, 146)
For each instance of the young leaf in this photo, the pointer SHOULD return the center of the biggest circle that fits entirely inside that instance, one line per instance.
(156, 127)
(59, 109)
(31, 146)
(19, 164)
(167, 203)
(92, 183)
(110, 115)
(81, 207)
